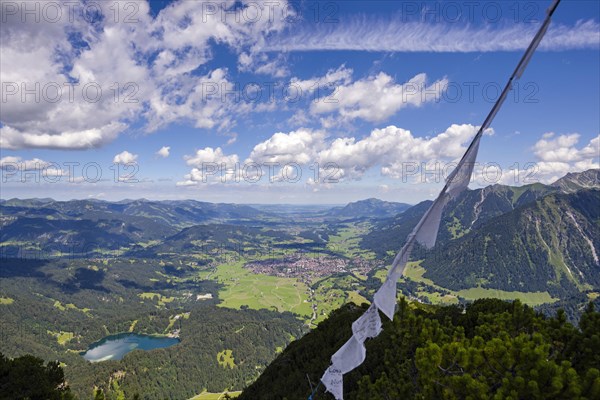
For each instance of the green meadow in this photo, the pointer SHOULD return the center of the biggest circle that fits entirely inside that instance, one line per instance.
(6, 300)
(530, 298)
(244, 288)
(415, 272)
(215, 396)
(347, 241)
(225, 359)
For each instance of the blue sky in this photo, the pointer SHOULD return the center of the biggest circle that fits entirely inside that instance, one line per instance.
(331, 101)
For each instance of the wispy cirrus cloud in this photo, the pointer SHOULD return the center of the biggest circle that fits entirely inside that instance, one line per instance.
(370, 34)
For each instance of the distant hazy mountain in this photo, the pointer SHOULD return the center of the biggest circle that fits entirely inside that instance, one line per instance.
(36, 202)
(85, 225)
(371, 208)
(174, 213)
(211, 238)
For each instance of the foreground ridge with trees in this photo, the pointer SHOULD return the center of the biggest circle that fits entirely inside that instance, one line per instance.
(27, 377)
(491, 349)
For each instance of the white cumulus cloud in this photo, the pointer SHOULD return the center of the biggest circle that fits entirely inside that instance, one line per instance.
(562, 148)
(389, 148)
(378, 97)
(559, 155)
(341, 75)
(125, 157)
(16, 168)
(164, 151)
(299, 146)
(91, 80)
(210, 155)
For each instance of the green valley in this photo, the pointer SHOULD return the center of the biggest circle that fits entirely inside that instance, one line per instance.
(241, 288)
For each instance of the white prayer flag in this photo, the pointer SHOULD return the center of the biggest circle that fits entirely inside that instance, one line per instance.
(353, 352)
(368, 325)
(397, 268)
(461, 176)
(427, 230)
(334, 383)
(349, 356)
(385, 298)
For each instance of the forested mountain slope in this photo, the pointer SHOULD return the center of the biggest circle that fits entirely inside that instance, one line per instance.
(491, 350)
(471, 210)
(529, 239)
(551, 244)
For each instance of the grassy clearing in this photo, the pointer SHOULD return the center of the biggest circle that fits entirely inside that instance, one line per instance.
(132, 326)
(161, 300)
(225, 359)
(244, 288)
(58, 304)
(174, 318)
(530, 298)
(347, 241)
(62, 337)
(215, 396)
(415, 272)
(356, 298)
(6, 300)
(456, 229)
(438, 298)
(71, 306)
(328, 299)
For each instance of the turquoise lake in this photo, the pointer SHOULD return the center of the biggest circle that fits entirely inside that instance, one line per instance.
(114, 347)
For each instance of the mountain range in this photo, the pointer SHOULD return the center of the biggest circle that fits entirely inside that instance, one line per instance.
(533, 238)
(372, 208)
(169, 265)
(530, 238)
